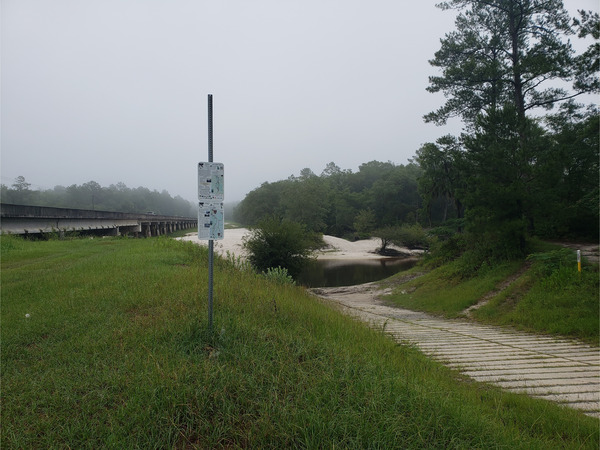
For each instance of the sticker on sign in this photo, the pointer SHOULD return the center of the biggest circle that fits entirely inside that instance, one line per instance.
(211, 221)
(211, 181)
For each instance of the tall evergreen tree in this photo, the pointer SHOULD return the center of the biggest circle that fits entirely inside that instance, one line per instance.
(502, 62)
(502, 51)
(442, 175)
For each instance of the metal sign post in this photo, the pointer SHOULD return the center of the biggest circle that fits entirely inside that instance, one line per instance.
(211, 222)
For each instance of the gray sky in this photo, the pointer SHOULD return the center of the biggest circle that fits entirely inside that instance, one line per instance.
(116, 90)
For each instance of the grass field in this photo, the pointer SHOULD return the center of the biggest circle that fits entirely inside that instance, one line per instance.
(104, 345)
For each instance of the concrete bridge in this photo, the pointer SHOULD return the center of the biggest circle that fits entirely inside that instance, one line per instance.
(22, 219)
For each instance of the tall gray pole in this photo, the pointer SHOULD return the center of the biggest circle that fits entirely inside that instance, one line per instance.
(210, 241)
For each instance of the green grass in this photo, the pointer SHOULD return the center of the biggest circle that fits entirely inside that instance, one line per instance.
(442, 291)
(116, 354)
(548, 297)
(556, 300)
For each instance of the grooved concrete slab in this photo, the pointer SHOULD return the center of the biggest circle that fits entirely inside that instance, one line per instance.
(559, 370)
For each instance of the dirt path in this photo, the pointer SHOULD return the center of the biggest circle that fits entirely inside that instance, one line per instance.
(559, 370)
(490, 295)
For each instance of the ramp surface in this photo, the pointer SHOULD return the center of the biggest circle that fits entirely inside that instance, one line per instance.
(560, 370)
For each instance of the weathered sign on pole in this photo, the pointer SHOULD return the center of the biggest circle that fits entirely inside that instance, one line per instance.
(211, 224)
(211, 193)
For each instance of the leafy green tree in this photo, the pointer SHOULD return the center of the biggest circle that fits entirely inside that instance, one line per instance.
(306, 174)
(412, 236)
(567, 174)
(342, 203)
(278, 243)
(4, 193)
(394, 196)
(331, 170)
(330, 202)
(261, 202)
(500, 174)
(95, 193)
(365, 221)
(409, 236)
(387, 235)
(305, 201)
(342, 211)
(368, 173)
(442, 176)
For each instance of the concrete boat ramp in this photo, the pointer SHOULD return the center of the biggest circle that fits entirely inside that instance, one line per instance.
(560, 370)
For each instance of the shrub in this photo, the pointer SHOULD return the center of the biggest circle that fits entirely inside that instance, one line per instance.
(444, 249)
(410, 236)
(387, 236)
(279, 243)
(545, 264)
(279, 275)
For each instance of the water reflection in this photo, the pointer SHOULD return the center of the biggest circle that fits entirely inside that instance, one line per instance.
(342, 272)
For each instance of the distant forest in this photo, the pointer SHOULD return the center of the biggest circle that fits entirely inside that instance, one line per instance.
(90, 195)
(340, 202)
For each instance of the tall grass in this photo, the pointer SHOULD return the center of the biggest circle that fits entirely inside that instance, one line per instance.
(115, 353)
(446, 291)
(552, 297)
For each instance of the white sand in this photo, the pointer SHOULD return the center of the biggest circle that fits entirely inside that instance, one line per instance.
(337, 248)
(232, 241)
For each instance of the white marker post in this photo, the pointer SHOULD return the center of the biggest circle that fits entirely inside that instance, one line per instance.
(579, 261)
(211, 193)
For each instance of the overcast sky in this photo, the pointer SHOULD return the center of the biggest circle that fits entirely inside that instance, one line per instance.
(116, 90)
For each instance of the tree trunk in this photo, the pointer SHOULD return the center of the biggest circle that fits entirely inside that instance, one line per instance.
(515, 19)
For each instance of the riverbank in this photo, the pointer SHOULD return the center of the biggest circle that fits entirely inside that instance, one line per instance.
(336, 248)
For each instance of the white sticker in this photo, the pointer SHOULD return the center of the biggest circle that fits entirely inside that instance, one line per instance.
(211, 221)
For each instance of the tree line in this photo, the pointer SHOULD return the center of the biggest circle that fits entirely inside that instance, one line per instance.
(91, 195)
(527, 160)
(339, 202)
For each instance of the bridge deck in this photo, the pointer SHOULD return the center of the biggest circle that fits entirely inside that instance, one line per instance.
(24, 219)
